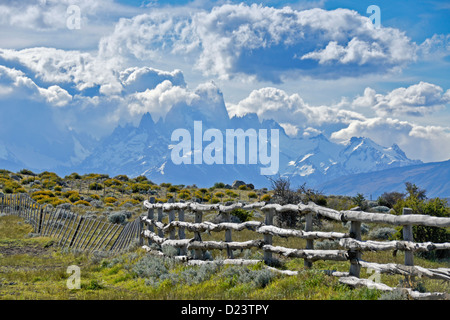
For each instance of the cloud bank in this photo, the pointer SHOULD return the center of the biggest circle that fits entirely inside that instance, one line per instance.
(263, 42)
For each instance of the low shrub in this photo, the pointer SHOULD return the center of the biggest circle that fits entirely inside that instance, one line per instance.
(384, 233)
(82, 202)
(242, 215)
(110, 200)
(119, 217)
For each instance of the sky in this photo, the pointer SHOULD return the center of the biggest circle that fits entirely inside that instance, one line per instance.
(316, 66)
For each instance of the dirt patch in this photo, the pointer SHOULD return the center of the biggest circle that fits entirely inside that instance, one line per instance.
(9, 250)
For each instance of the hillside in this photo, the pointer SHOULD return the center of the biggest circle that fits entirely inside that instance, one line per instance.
(433, 177)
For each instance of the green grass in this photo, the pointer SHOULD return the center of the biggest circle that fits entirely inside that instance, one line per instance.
(35, 268)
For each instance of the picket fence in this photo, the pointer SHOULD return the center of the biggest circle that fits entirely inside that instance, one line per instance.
(192, 250)
(71, 230)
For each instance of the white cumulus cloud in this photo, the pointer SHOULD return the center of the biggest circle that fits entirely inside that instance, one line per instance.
(416, 100)
(268, 43)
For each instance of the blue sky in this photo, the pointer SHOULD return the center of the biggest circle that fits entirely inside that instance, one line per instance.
(313, 66)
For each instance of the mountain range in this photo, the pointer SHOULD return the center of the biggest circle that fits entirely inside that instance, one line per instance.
(360, 165)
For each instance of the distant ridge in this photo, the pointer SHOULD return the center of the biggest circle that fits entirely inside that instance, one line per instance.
(433, 177)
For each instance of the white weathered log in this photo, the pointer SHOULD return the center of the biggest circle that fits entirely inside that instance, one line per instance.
(153, 237)
(254, 205)
(427, 295)
(152, 251)
(371, 245)
(280, 232)
(285, 272)
(413, 219)
(312, 255)
(391, 268)
(348, 215)
(203, 207)
(326, 212)
(212, 227)
(159, 225)
(250, 206)
(357, 282)
(222, 245)
(338, 274)
(226, 261)
(161, 254)
(177, 243)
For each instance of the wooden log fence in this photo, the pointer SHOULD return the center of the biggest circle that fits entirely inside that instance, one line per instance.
(163, 234)
(84, 233)
(68, 229)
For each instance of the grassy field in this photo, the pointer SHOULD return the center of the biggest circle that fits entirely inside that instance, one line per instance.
(34, 268)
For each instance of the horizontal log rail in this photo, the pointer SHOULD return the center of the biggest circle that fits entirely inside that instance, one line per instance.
(410, 271)
(344, 215)
(370, 245)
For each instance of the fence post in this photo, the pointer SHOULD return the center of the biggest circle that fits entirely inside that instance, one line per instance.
(160, 217)
(408, 236)
(151, 216)
(269, 214)
(309, 242)
(198, 254)
(181, 232)
(228, 235)
(355, 256)
(171, 218)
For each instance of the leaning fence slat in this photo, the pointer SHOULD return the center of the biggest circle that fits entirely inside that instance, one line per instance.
(98, 236)
(113, 227)
(70, 231)
(83, 229)
(65, 225)
(119, 238)
(112, 236)
(118, 243)
(76, 232)
(92, 235)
